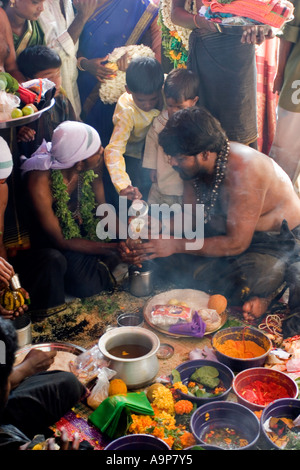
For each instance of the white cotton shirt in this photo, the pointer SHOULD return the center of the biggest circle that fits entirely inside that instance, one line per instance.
(55, 27)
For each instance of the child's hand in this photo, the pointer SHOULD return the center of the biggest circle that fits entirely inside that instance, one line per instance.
(25, 134)
(131, 193)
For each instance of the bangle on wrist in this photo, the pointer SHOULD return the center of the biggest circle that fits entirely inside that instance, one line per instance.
(195, 22)
(79, 66)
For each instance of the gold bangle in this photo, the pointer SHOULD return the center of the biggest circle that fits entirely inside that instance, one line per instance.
(195, 22)
(79, 66)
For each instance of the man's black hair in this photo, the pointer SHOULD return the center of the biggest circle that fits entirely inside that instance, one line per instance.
(144, 75)
(191, 131)
(36, 59)
(181, 85)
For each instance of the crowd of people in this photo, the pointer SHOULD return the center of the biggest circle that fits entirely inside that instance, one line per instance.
(183, 137)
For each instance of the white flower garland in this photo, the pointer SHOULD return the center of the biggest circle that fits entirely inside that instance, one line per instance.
(184, 34)
(112, 89)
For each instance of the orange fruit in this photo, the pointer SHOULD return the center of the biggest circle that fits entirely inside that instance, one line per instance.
(217, 302)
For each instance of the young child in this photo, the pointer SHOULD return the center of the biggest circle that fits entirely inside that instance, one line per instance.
(43, 62)
(133, 116)
(180, 91)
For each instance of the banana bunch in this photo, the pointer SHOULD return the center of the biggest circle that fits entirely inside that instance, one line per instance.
(8, 83)
(12, 300)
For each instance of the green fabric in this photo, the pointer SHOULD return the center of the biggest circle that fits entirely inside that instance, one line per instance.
(290, 96)
(112, 416)
(37, 36)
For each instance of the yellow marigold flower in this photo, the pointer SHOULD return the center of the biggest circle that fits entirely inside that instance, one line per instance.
(174, 56)
(167, 419)
(163, 400)
(180, 386)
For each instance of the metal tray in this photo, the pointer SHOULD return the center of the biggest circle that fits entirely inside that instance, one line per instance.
(194, 298)
(239, 29)
(65, 347)
(23, 121)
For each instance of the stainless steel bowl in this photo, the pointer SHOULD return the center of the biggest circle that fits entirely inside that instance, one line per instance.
(136, 372)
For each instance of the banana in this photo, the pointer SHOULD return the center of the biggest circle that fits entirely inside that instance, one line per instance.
(12, 300)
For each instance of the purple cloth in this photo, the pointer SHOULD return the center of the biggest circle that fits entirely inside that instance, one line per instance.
(195, 328)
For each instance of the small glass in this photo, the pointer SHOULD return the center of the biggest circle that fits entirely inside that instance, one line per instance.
(130, 319)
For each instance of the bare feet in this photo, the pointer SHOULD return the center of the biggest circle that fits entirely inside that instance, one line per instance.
(255, 308)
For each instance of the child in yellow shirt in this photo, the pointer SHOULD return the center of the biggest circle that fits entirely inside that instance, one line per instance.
(133, 116)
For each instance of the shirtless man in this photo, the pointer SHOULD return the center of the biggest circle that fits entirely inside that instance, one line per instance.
(254, 197)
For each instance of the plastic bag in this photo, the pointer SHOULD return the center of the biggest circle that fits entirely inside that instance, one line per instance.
(7, 103)
(100, 390)
(87, 365)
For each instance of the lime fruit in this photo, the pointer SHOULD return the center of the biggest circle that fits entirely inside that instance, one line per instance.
(16, 113)
(27, 110)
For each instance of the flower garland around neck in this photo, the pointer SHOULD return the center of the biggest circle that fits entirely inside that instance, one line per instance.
(86, 204)
(175, 39)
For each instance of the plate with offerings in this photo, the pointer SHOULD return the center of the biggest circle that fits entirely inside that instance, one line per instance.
(186, 312)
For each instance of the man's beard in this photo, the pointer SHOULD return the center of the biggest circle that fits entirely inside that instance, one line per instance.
(185, 177)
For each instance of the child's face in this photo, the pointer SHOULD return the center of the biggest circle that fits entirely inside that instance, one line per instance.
(146, 102)
(29, 9)
(53, 75)
(174, 106)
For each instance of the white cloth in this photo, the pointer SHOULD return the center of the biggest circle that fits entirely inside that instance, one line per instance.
(6, 163)
(71, 143)
(55, 27)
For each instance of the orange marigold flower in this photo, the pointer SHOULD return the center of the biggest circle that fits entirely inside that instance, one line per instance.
(169, 440)
(183, 406)
(175, 35)
(187, 439)
(191, 384)
(158, 432)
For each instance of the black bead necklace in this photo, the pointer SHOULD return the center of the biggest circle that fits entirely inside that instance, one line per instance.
(208, 199)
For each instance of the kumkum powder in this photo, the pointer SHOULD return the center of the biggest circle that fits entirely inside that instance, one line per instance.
(263, 393)
(243, 349)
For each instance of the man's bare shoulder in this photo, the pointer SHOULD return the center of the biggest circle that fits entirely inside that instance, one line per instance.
(247, 162)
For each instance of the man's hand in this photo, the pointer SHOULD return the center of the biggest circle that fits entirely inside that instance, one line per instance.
(39, 361)
(256, 34)
(131, 193)
(6, 272)
(7, 314)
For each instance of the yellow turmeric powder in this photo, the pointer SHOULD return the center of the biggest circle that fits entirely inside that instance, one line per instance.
(241, 349)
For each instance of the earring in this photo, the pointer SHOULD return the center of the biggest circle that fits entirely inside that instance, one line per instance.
(12, 3)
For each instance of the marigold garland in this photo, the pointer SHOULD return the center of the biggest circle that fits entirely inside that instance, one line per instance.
(175, 39)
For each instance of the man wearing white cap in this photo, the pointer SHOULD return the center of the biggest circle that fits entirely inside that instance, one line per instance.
(64, 193)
